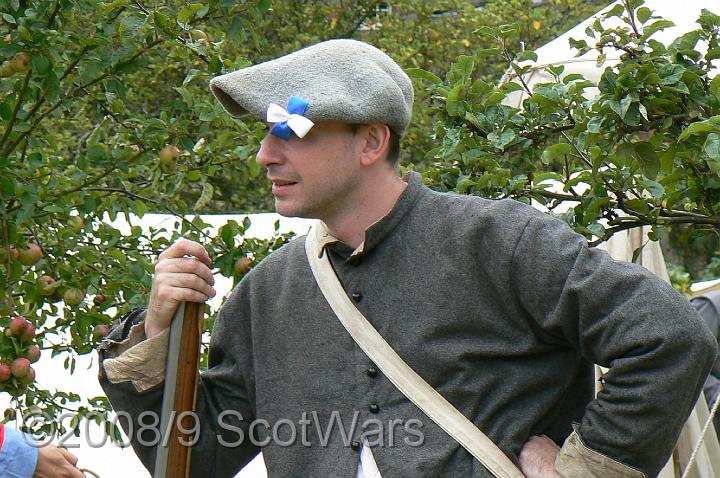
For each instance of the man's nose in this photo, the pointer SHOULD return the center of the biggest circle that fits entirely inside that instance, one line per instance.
(270, 151)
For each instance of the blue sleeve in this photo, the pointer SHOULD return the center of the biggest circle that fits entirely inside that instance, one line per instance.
(18, 456)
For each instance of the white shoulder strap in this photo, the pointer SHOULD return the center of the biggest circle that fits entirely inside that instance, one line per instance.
(399, 373)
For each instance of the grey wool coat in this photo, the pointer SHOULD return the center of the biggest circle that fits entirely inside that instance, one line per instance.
(499, 307)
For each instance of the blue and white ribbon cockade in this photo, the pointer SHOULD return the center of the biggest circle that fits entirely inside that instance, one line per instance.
(291, 120)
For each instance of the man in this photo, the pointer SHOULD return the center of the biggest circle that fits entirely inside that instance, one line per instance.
(20, 457)
(500, 308)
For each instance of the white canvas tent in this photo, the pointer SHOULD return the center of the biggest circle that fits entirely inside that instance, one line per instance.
(558, 51)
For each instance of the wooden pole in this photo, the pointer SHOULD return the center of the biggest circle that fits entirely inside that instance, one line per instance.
(180, 393)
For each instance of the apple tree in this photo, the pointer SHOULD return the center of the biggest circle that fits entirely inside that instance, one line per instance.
(640, 147)
(105, 113)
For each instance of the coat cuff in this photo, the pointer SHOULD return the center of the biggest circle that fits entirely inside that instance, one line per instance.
(138, 360)
(575, 460)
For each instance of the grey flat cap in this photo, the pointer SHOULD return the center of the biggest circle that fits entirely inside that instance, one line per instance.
(343, 80)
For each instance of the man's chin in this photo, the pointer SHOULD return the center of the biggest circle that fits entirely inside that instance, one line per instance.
(286, 210)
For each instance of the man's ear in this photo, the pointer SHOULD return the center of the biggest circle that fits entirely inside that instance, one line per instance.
(376, 145)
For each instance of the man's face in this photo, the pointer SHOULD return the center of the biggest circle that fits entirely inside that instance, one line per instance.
(315, 176)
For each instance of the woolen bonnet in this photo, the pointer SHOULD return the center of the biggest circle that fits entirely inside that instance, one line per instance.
(343, 80)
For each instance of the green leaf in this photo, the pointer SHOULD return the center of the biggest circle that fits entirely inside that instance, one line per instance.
(192, 74)
(452, 103)
(615, 106)
(655, 27)
(463, 184)
(649, 159)
(595, 124)
(461, 70)
(5, 111)
(420, 74)
(511, 86)
(711, 125)
(597, 230)
(572, 77)
(686, 43)
(482, 52)
(615, 11)
(205, 196)
(708, 20)
(97, 153)
(501, 140)
(7, 186)
(216, 64)
(643, 14)
(188, 12)
(527, 55)
(712, 146)
(637, 252)
(165, 24)
(187, 96)
(638, 205)
(480, 88)
(678, 87)
(670, 74)
(40, 65)
(9, 18)
(139, 207)
(487, 31)
(600, 61)
(715, 86)
(133, 23)
(555, 151)
(655, 188)
(236, 28)
(625, 104)
(580, 45)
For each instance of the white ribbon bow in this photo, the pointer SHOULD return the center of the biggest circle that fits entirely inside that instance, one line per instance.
(298, 123)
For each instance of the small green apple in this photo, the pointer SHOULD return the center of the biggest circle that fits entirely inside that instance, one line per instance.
(30, 255)
(168, 158)
(76, 224)
(21, 62)
(46, 285)
(242, 265)
(73, 296)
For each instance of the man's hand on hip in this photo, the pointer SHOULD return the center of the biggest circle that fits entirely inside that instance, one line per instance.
(537, 458)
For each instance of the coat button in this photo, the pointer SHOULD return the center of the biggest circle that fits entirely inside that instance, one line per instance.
(355, 445)
(374, 408)
(372, 372)
(356, 296)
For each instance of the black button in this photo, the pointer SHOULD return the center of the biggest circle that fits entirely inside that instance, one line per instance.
(372, 372)
(356, 296)
(355, 445)
(374, 408)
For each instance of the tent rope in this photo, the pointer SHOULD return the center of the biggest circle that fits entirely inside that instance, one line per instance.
(709, 422)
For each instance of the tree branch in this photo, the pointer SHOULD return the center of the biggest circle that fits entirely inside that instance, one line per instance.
(162, 206)
(16, 108)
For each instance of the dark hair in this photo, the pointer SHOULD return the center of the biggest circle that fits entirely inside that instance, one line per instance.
(394, 151)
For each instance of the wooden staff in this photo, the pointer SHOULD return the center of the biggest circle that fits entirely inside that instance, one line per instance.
(181, 381)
